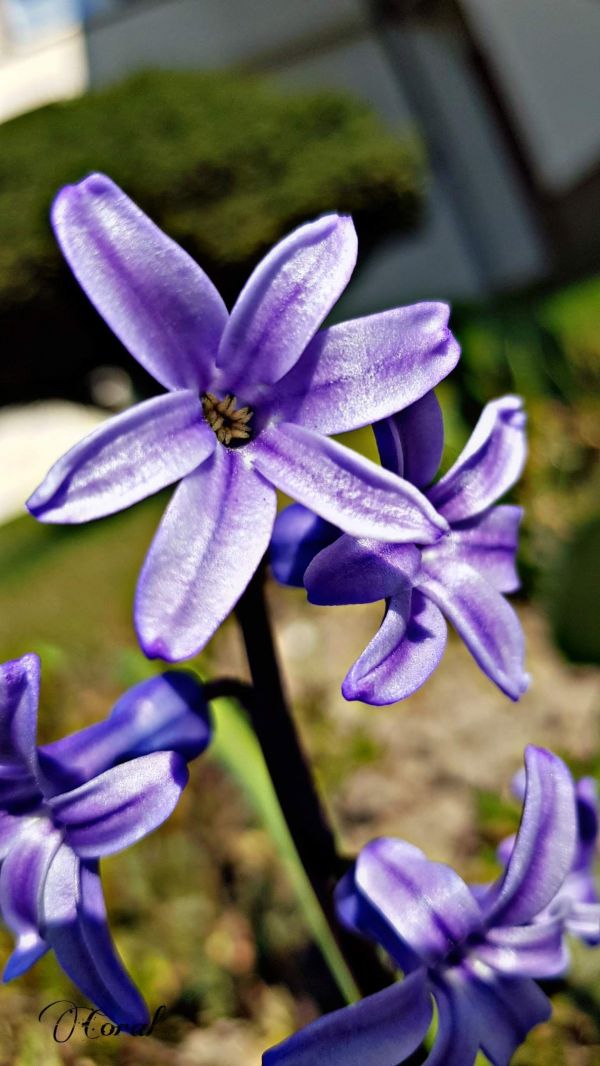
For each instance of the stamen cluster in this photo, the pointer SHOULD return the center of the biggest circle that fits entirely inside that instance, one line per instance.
(229, 424)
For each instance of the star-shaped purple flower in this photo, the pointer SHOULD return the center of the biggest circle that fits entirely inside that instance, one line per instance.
(474, 953)
(578, 901)
(462, 576)
(251, 398)
(65, 805)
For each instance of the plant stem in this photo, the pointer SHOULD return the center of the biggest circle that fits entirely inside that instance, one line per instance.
(293, 781)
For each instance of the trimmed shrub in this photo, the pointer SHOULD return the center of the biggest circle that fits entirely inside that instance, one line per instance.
(226, 164)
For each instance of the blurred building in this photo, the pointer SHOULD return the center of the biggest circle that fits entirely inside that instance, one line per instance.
(506, 94)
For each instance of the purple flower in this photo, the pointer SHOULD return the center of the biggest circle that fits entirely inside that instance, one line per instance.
(251, 396)
(65, 805)
(474, 953)
(462, 576)
(577, 901)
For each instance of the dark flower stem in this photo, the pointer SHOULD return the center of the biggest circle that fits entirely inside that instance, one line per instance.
(292, 780)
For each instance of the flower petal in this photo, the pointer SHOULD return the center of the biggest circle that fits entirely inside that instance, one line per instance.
(284, 302)
(126, 459)
(355, 570)
(545, 844)
(488, 543)
(411, 443)
(457, 1036)
(208, 545)
(75, 926)
(360, 371)
(586, 791)
(19, 698)
(482, 617)
(157, 300)
(402, 655)
(356, 913)
(489, 465)
(298, 535)
(583, 921)
(381, 1030)
(165, 713)
(426, 903)
(10, 827)
(21, 882)
(526, 950)
(122, 805)
(506, 1008)
(344, 488)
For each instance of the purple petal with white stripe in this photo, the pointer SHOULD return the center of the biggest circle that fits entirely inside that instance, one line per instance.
(506, 1008)
(545, 843)
(426, 903)
(381, 1030)
(75, 927)
(488, 543)
(360, 371)
(485, 621)
(284, 302)
(165, 713)
(208, 545)
(536, 950)
(298, 535)
(360, 571)
(122, 805)
(489, 465)
(343, 487)
(156, 299)
(125, 460)
(411, 443)
(403, 653)
(21, 883)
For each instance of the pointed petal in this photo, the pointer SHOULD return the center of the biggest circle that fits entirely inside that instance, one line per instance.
(488, 543)
(208, 545)
(402, 655)
(506, 1008)
(583, 921)
(411, 443)
(545, 843)
(122, 805)
(457, 1036)
(426, 903)
(342, 487)
(360, 371)
(284, 302)
(381, 1030)
(360, 571)
(165, 713)
(356, 913)
(526, 950)
(126, 459)
(298, 535)
(482, 617)
(19, 697)
(21, 882)
(75, 926)
(157, 300)
(490, 464)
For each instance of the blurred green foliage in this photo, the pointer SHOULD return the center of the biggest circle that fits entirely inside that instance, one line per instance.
(225, 163)
(546, 347)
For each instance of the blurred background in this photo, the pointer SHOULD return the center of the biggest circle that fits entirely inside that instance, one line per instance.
(464, 138)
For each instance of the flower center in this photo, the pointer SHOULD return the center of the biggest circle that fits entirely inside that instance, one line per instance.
(229, 423)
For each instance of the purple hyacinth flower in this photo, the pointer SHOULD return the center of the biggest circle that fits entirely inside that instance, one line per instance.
(462, 576)
(475, 954)
(67, 804)
(252, 396)
(578, 901)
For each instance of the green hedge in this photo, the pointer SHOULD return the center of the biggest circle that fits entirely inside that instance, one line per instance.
(225, 163)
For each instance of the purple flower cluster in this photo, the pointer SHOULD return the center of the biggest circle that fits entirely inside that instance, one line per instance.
(462, 576)
(66, 805)
(474, 950)
(252, 395)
